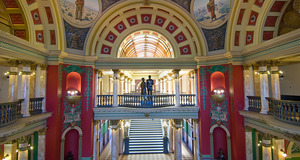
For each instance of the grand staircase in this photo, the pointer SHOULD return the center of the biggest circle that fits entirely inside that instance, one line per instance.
(146, 136)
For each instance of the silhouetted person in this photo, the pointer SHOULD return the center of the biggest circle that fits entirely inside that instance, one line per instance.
(69, 156)
(143, 87)
(149, 85)
(221, 155)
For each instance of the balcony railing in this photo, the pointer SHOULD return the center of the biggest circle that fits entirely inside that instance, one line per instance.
(35, 105)
(284, 110)
(254, 103)
(187, 99)
(10, 111)
(145, 101)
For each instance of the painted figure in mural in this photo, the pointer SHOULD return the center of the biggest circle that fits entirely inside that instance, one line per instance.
(74, 40)
(143, 87)
(221, 155)
(79, 8)
(149, 85)
(211, 8)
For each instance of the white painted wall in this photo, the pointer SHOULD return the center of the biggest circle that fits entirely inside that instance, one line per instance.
(3, 84)
(290, 83)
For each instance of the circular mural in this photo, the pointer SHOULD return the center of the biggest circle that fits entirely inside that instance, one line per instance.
(211, 12)
(80, 12)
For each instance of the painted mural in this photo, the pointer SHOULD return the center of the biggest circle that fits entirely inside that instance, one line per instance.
(80, 12)
(215, 38)
(75, 37)
(184, 3)
(211, 12)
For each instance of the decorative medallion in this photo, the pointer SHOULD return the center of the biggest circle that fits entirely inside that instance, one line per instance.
(120, 27)
(180, 37)
(105, 49)
(146, 18)
(111, 37)
(184, 50)
(36, 16)
(253, 18)
(159, 21)
(249, 37)
(171, 27)
(211, 12)
(132, 20)
(39, 36)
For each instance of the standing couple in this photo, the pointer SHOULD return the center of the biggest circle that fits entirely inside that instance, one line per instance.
(148, 85)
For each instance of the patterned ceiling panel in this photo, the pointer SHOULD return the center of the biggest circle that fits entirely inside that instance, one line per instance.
(111, 37)
(171, 27)
(36, 16)
(240, 19)
(49, 15)
(267, 35)
(249, 37)
(253, 18)
(259, 2)
(271, 21)
(132, 20)
(277, 6)
(10, 4)
(180, 37)
(146, 18)
(16, 19)
(184, 50)
(105, 49)
(160, 21)
(120, 27)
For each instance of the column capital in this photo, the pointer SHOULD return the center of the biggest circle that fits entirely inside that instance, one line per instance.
(265, 136)
(23, 139)
(43, 66)
(247, 129)
(263, 63)
(246, 66)
(176, 71)
(13, 62)
(42, 131)
(26, 63)
(116, 70)
(274, 63)
(177, 123)
(114, 124)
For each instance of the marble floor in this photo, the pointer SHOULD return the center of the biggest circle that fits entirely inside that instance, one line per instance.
(106, 155)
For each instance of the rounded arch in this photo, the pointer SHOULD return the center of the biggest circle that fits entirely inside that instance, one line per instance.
(62, 155)
(217, 80)
(211, 131)
(170, 13)
(73, 81)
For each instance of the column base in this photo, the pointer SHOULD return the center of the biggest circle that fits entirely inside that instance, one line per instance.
(264, 112)
(25, 115)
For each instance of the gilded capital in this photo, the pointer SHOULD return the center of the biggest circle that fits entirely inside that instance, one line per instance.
(13, 62)
(43, 66)
(26, 63)
(42, 131)
(248, 129)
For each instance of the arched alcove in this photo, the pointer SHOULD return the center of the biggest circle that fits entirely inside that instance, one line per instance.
(73, 81)
(220, 142)
(72, 143)
(217, 81)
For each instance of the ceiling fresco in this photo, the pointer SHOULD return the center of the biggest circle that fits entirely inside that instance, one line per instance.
(80, 12)
(211, 13)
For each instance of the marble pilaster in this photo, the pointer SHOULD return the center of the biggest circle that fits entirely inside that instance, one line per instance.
(248, 138)
(275, 84)
(177, 91)
(165, 84)
(115, 88)
(264, 88)
(13, 81)
(196, 87)
(266, 147)
(114, 140)
(278, 145)
(121, 137)
(25, 91)
(171, 147)
(196, 139)
(248, 84)
(178, 150)
(23, 148)
(10, 150)
(42, 87)
(42, 144)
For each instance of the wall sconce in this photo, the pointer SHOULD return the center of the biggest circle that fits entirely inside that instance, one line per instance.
(73, 96)
(283, 153)
(218, 95)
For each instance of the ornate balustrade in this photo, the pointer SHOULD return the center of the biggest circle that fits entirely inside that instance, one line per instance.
(187, 100)
(35, 105)
(8, 113)
(254, 103)
(284, 110)
(104, 100)
(145, 101)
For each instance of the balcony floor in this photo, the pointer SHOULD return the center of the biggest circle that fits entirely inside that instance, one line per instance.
(170, 112)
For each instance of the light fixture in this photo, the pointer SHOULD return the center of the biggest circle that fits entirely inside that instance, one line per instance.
(127, 124)
(31, 148)
(272, 147)
(283, 153)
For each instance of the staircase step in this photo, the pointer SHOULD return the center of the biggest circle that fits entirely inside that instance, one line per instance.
(142, 143)
(147, 146)
(144, 152)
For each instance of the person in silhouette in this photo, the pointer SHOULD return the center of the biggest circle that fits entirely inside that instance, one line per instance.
(149, 85)
(69, 156)
(143, 87)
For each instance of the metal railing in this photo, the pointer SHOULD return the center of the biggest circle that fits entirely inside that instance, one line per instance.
(254, 103)
(145, 101)
(35, 105)
(187, 100)
(8, 113)
(284, 110)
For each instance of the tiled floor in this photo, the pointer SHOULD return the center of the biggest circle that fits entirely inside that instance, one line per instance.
(186, 155)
